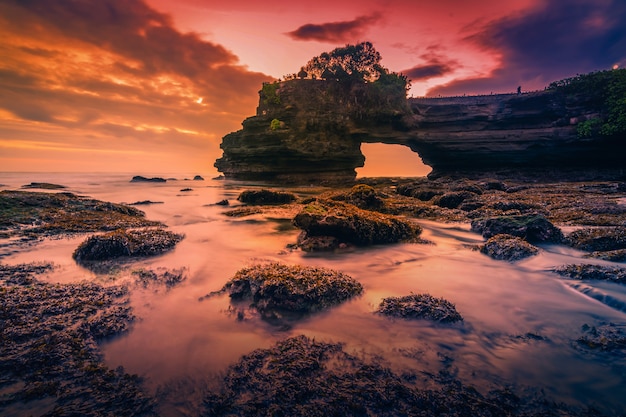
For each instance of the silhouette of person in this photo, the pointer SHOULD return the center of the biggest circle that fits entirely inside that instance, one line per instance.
(519, 89)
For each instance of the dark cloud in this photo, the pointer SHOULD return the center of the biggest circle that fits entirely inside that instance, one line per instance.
(335, 31)
(553, 41)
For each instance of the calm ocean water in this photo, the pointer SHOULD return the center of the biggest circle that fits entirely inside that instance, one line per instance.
(180, 338)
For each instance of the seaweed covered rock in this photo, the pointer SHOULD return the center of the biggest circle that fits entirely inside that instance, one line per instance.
(350, 224)
(618, 255)
(508, 248)
(121, 243)
(266, 197)
(598, 239)
(595, 272)
(276, 288)
(606, 337)
(453, 199)
(300, 376)
(421, 191)
(363, 196)
(531, 227)
(50, 363)
(419, 306)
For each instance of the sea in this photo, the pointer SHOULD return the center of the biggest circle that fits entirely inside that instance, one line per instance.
(521, 321)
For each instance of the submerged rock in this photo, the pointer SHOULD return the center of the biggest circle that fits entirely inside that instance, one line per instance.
(607, 337)
(275, 288)
(595, 272)
(419, 306)
(598, 239)
(350, 224)
(198, 178)
(122, 243)
(508, 248)
(266, 197)
(531, 227)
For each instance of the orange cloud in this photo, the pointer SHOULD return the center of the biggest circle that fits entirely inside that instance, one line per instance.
(111, 69)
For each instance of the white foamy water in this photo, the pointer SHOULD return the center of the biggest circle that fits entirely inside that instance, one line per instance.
(178, 337)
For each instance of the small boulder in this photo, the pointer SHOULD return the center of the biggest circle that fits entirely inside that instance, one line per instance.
(139, 178)
(350, 224)
(453, 199)
(508, 248)
(223, 202)
(198, 178)
(592, 272)
(598, 239)
(123, 243)
(276, 288)
(419, 306)
(531, 227)
(266, 197)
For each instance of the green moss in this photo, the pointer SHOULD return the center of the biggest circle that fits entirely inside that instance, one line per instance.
(269, 93)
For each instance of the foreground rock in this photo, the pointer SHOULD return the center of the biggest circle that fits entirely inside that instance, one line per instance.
(508, 248)
(124, 243)
(303, 377)
(598, 239)
(618, 255)
(43, 213)
(49, 358)
(534, 228)
(594, 272)
(350, 224)
(266, 197)
(419, 306)
(276, 289)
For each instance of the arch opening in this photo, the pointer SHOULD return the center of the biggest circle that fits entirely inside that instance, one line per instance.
(391, 160)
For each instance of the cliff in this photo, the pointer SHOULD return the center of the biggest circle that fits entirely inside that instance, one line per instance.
(311, 131)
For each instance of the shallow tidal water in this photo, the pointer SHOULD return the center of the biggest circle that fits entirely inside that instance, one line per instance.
(520, 325)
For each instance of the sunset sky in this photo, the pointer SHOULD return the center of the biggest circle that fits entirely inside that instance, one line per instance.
(151, 86)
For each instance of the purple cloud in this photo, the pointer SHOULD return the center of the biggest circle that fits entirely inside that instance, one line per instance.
(335, 31)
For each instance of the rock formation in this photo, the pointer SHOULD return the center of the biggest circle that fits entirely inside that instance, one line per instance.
(311, 131)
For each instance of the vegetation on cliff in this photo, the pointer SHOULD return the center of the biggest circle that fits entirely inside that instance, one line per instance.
(604, 92)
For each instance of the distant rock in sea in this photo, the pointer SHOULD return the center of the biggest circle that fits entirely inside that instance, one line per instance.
(145, 202)
(184, 190)
(198, 178)
(139, 178)
(44, 186)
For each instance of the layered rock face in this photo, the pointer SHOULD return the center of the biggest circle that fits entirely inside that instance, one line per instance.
(311, 131)
(527, 131)
(309, 140)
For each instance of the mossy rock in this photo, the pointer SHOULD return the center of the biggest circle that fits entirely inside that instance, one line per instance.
(598, 239)
(592, 272)
(453, 199)
(508, 248)
(123, 243)
(276, 288)
(350, 224)
(266, 197)
(530, 227)
(419, 306)
(363, 196)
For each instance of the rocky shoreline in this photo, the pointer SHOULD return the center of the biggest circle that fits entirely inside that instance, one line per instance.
(50, 360)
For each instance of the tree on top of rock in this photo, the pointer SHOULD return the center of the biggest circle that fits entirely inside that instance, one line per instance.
(359, 62)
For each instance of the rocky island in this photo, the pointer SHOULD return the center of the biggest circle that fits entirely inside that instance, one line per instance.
(310, 129)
